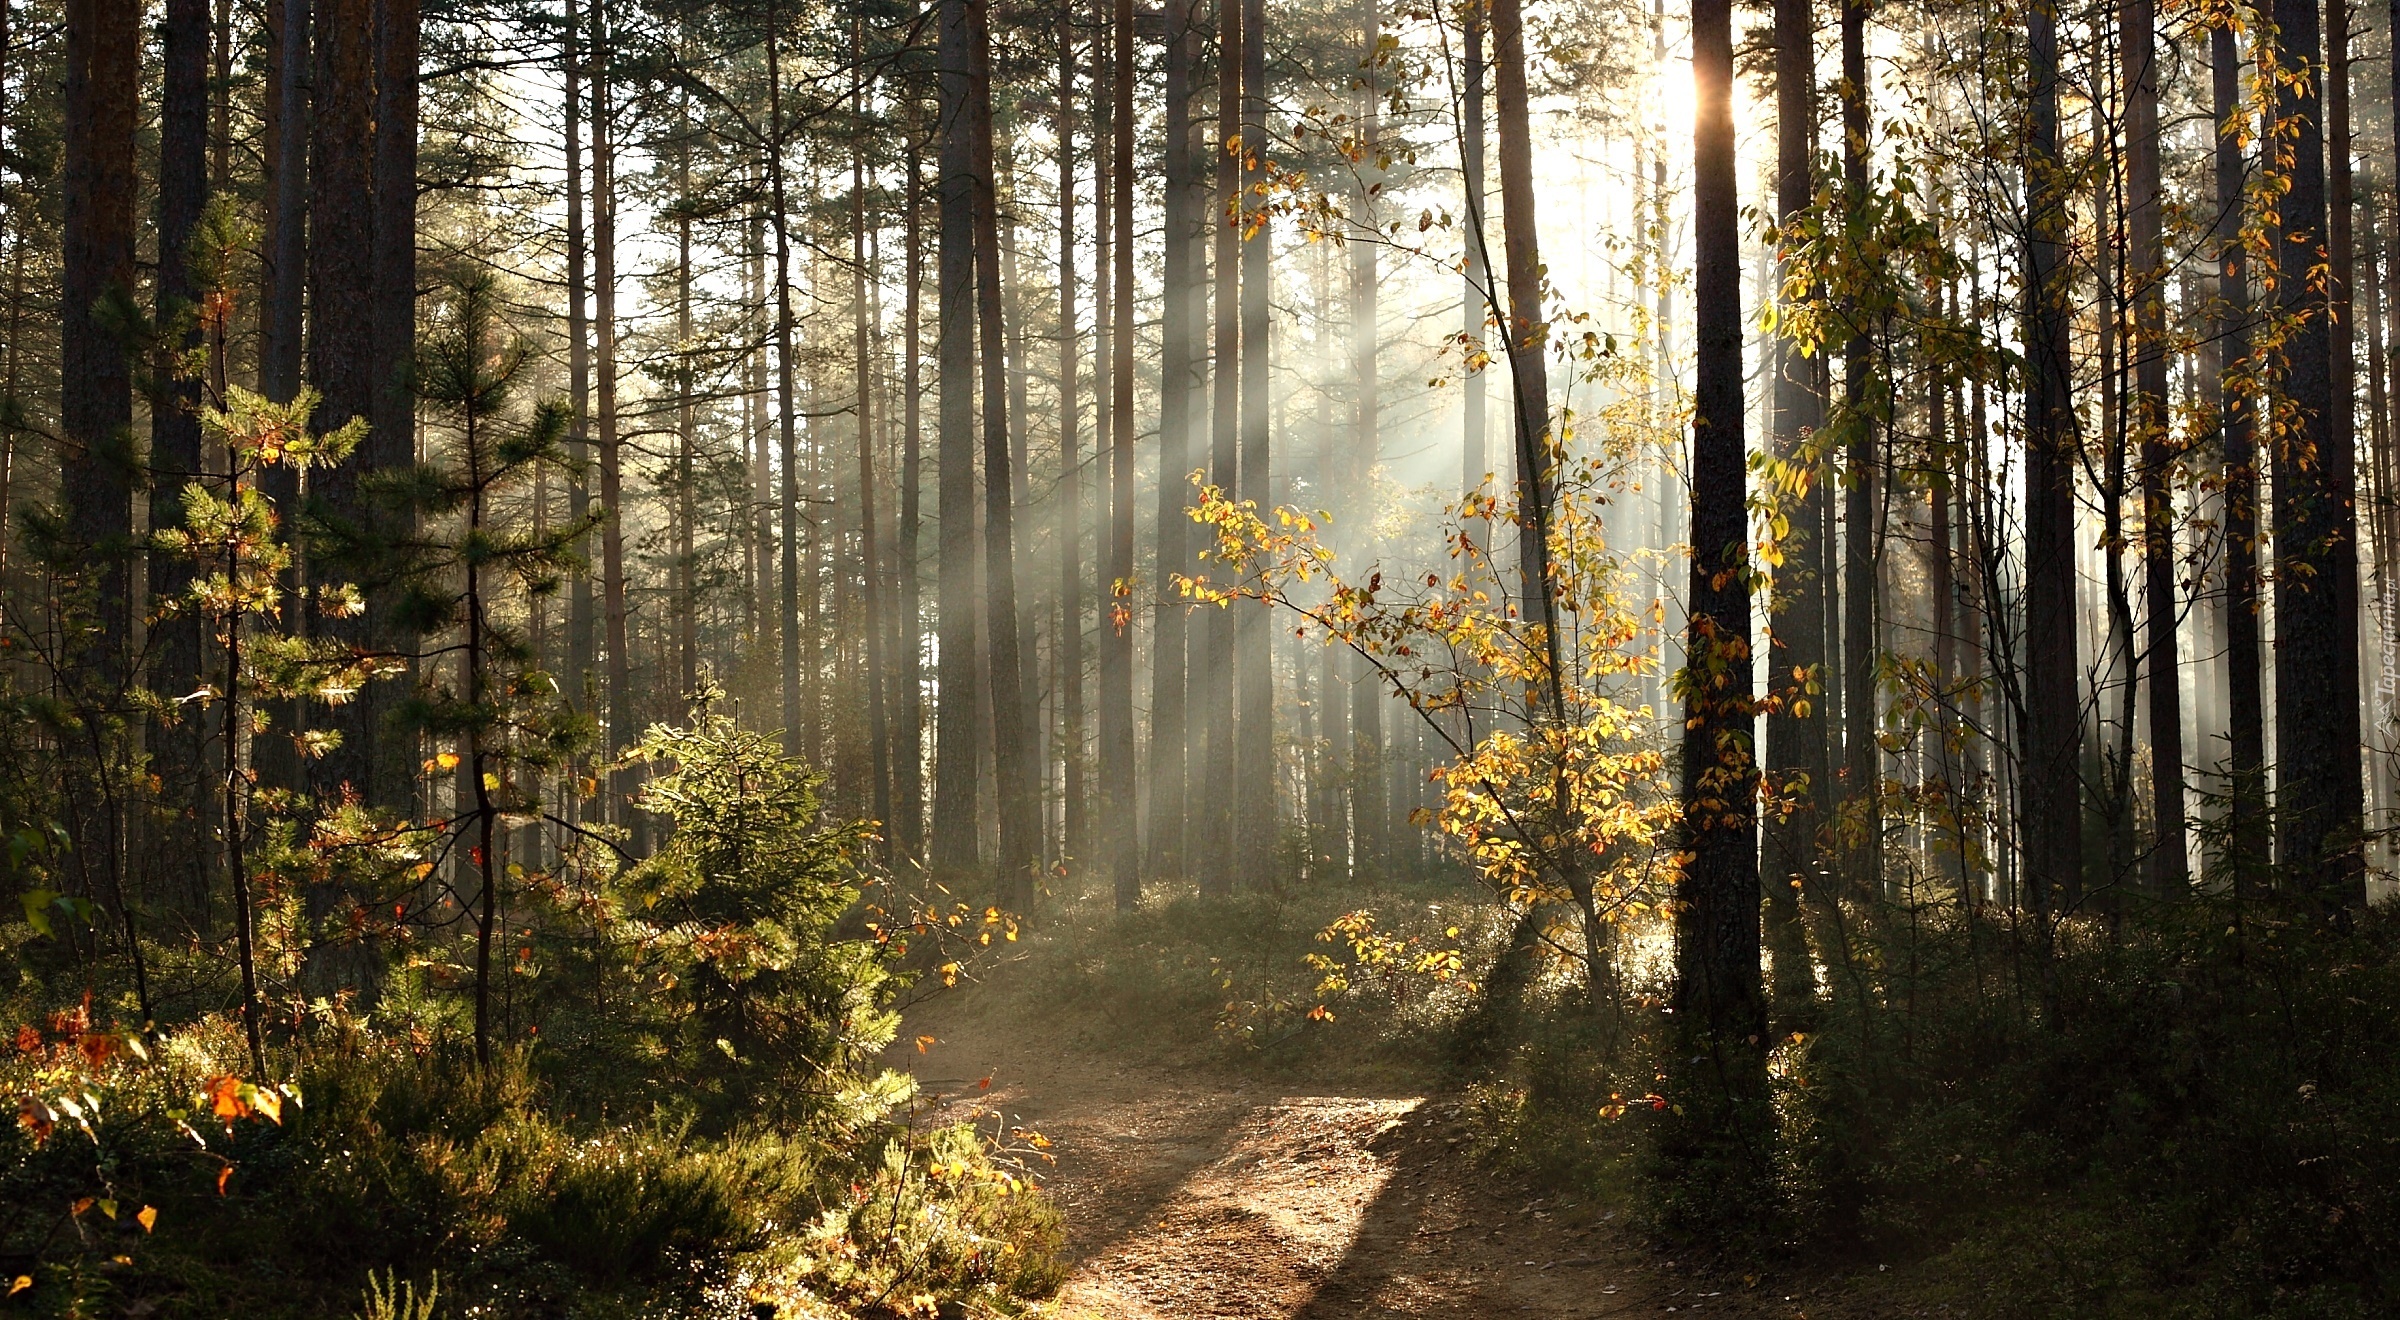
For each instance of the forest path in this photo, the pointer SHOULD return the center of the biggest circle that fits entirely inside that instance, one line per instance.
(1191, 1193)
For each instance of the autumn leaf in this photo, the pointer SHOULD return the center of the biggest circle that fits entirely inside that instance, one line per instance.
(224, 1175)
(23, 1282)
(923, 1042)
(148, 1218)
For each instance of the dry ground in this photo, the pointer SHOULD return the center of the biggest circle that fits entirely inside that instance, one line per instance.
(1190, 1193)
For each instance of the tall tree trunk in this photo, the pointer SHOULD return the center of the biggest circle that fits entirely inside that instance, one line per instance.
(961, 721)
(1797, 761)
(1528, 330)
(582, 646)
(1074, 827)
(1012, 741)
(908, 770)
(2247, 840)
(1479, 296)
(870, 568)
(1179, 381)
(1254, 722)
(1116, 641)
(687, 609)
(1718, 999)
(2169, 871)
(341, 332)
(2052, 719)
(2317, 791)
(1861, 754)
(1212, 838)
(283, 274)
(622, 721)
(175, 458)
(1370, 810)
(395, 327)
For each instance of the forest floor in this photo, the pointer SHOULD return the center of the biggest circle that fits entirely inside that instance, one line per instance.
(1201, 1191)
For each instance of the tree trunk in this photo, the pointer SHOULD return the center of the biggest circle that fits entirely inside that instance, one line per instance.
(1861, 754)
(1371, 809)
(1211, 839)
(2168, 870)
(1479, 296)
(960, 719)
(1069, 530)
(2052, 719)
(175, 457)
(1797, 761)
(623, 723)
(1179, 381)
(2317, 792)
(582, 646)
(2247, 840)
(1254, 722)
(1528, 330)
(908, 770)
(1012, 741)
(1116, 640)
(1718, 1000)
(870, 567)
(95, 377)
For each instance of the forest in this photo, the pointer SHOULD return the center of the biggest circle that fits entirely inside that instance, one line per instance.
(1430, 658)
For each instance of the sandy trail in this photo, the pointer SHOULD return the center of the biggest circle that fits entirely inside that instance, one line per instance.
(1192, 1194)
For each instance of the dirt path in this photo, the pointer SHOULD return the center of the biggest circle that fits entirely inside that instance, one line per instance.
(1188, 1194)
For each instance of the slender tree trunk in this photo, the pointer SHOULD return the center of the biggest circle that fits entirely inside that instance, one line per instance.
(623, 723)
(175, 457)
(1861, 769)
(1254, 722)
(1718, 998)
(687, 608)
(341, 335)
(582, 647)
(1179, 381)
(2052, 720)
(961, 721)
(1370, 809)
(2317, 795)
(2169, 872)
(95, 379)
(1797, 762)
(2247, 840)
(1479, 297)
(1528, 329)
(1070, 476)
(1116, 640)
(908, 778)
(1212, 839)
(879, 749)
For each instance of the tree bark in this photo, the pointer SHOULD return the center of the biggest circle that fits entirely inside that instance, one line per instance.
(870, 567)
(1861, 753)
(2317, 795)
(1254, 722)
(1717, 990)
(2168, 869)
(582, 646)
(1370, 808)
(1012, 740)
(622, 721)
(908, 777)
(2247, 839)
(1117, 769)
(2052, 719)
(1528, 331)
(1797, 758)
(1179, 382)
(1212, 836)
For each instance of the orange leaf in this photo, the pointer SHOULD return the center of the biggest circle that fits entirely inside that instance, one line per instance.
(923, 1041)
(984, 1085)
(223, 1175)
(23, 1282)
(148, 1218)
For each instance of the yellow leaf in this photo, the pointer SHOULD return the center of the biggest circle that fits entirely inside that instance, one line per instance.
(23, 1282)
(447, 760)
(148, 1218)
